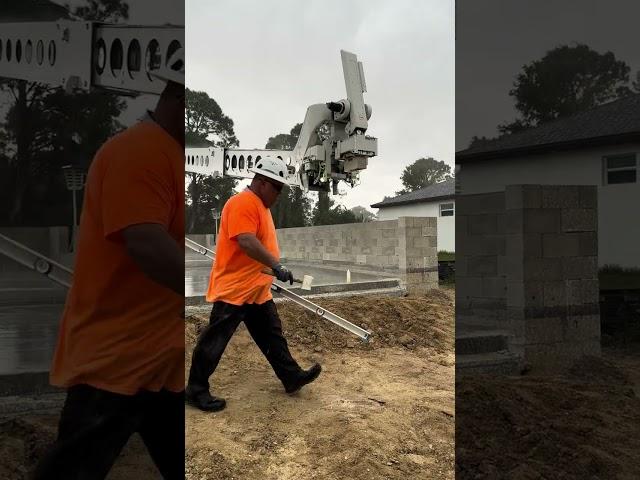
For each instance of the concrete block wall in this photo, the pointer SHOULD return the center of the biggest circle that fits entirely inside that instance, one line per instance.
(553, 290)
(526, 263)
(406, 246)
(481, 260)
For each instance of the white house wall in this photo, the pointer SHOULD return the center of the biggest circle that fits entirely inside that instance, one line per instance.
(618, 205)
(446, 225)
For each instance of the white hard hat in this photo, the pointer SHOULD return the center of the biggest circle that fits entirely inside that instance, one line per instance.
(172, 69)
(273, 168)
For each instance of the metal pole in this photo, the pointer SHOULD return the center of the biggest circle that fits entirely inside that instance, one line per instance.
(73, 227)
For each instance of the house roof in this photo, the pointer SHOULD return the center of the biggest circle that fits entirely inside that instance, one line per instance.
(614, 122)
(437, 191)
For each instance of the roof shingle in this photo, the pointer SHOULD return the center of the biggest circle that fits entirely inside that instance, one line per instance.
(603, 124)
(436, 191)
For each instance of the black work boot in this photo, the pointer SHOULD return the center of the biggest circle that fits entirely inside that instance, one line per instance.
(203, 400)
(307, 376)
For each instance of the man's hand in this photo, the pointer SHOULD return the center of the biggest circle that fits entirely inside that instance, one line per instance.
(283, 274)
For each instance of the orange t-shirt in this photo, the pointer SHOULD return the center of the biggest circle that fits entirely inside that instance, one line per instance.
(121, 331)
(235, 277)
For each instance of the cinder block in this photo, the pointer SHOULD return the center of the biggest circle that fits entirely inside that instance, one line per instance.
(575, 268)
(468, 287)
(555, 294)
(483, 265)
(361, 259)
(579, 220)
(389, 233)
(527, 245)
(480, 203)
(542, 269)
(558, 245)
(423, 242)
(589, 196)
(583, 292)
(429, 231)
(484, 223)
(523, 196)
(386, 250)
(541, 221)
(461, 265)
(404, 222)
(501, 224)
(583, 328)
(494, 287)
(511, 268)
(461, 225)
(487, 245)
(560, 196)
(528, 294)
(514, 221)
(421, 222)
(515, 320)
(546, 330)
(588, 244)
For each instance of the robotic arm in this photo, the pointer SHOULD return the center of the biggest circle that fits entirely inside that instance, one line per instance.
(332, 145)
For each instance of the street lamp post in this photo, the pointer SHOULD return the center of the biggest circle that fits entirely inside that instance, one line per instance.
(74, 178)
(216, 216)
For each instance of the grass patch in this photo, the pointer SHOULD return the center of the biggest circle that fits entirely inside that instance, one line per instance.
(615, 277)
(444, 256)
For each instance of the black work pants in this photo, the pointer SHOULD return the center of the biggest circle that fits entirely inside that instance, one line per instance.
(95, 425)
(265, 328)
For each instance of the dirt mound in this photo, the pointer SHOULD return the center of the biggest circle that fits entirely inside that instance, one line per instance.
(584, 425)
(25, 440)
(409, 322)
(22, 442)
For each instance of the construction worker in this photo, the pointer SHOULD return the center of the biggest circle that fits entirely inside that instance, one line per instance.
(241, 292)
(120, 350)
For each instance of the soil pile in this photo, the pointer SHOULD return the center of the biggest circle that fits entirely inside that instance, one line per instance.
(383, 410)
(24, 440)
(582, 425)
(410, 322)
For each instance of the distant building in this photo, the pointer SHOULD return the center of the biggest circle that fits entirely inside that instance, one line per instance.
(436, 200)
(600, 146)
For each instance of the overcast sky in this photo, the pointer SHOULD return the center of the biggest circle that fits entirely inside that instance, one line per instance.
(495, 38)
(265, 62)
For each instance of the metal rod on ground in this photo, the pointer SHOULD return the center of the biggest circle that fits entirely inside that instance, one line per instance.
(303, 302)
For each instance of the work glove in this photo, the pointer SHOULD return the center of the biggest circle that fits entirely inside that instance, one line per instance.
(282, 273)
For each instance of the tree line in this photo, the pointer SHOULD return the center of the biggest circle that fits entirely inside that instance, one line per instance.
(568, 79)
(46, 128)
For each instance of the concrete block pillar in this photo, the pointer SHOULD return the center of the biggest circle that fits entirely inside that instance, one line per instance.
(417, 253)
(552, 273)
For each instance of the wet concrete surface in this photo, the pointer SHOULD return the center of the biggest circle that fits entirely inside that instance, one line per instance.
(198, 268)
(31, 308)
(28, 336)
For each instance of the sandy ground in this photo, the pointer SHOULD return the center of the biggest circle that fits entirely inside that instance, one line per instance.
(584, 424)
(378, 411)
(24, 439)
